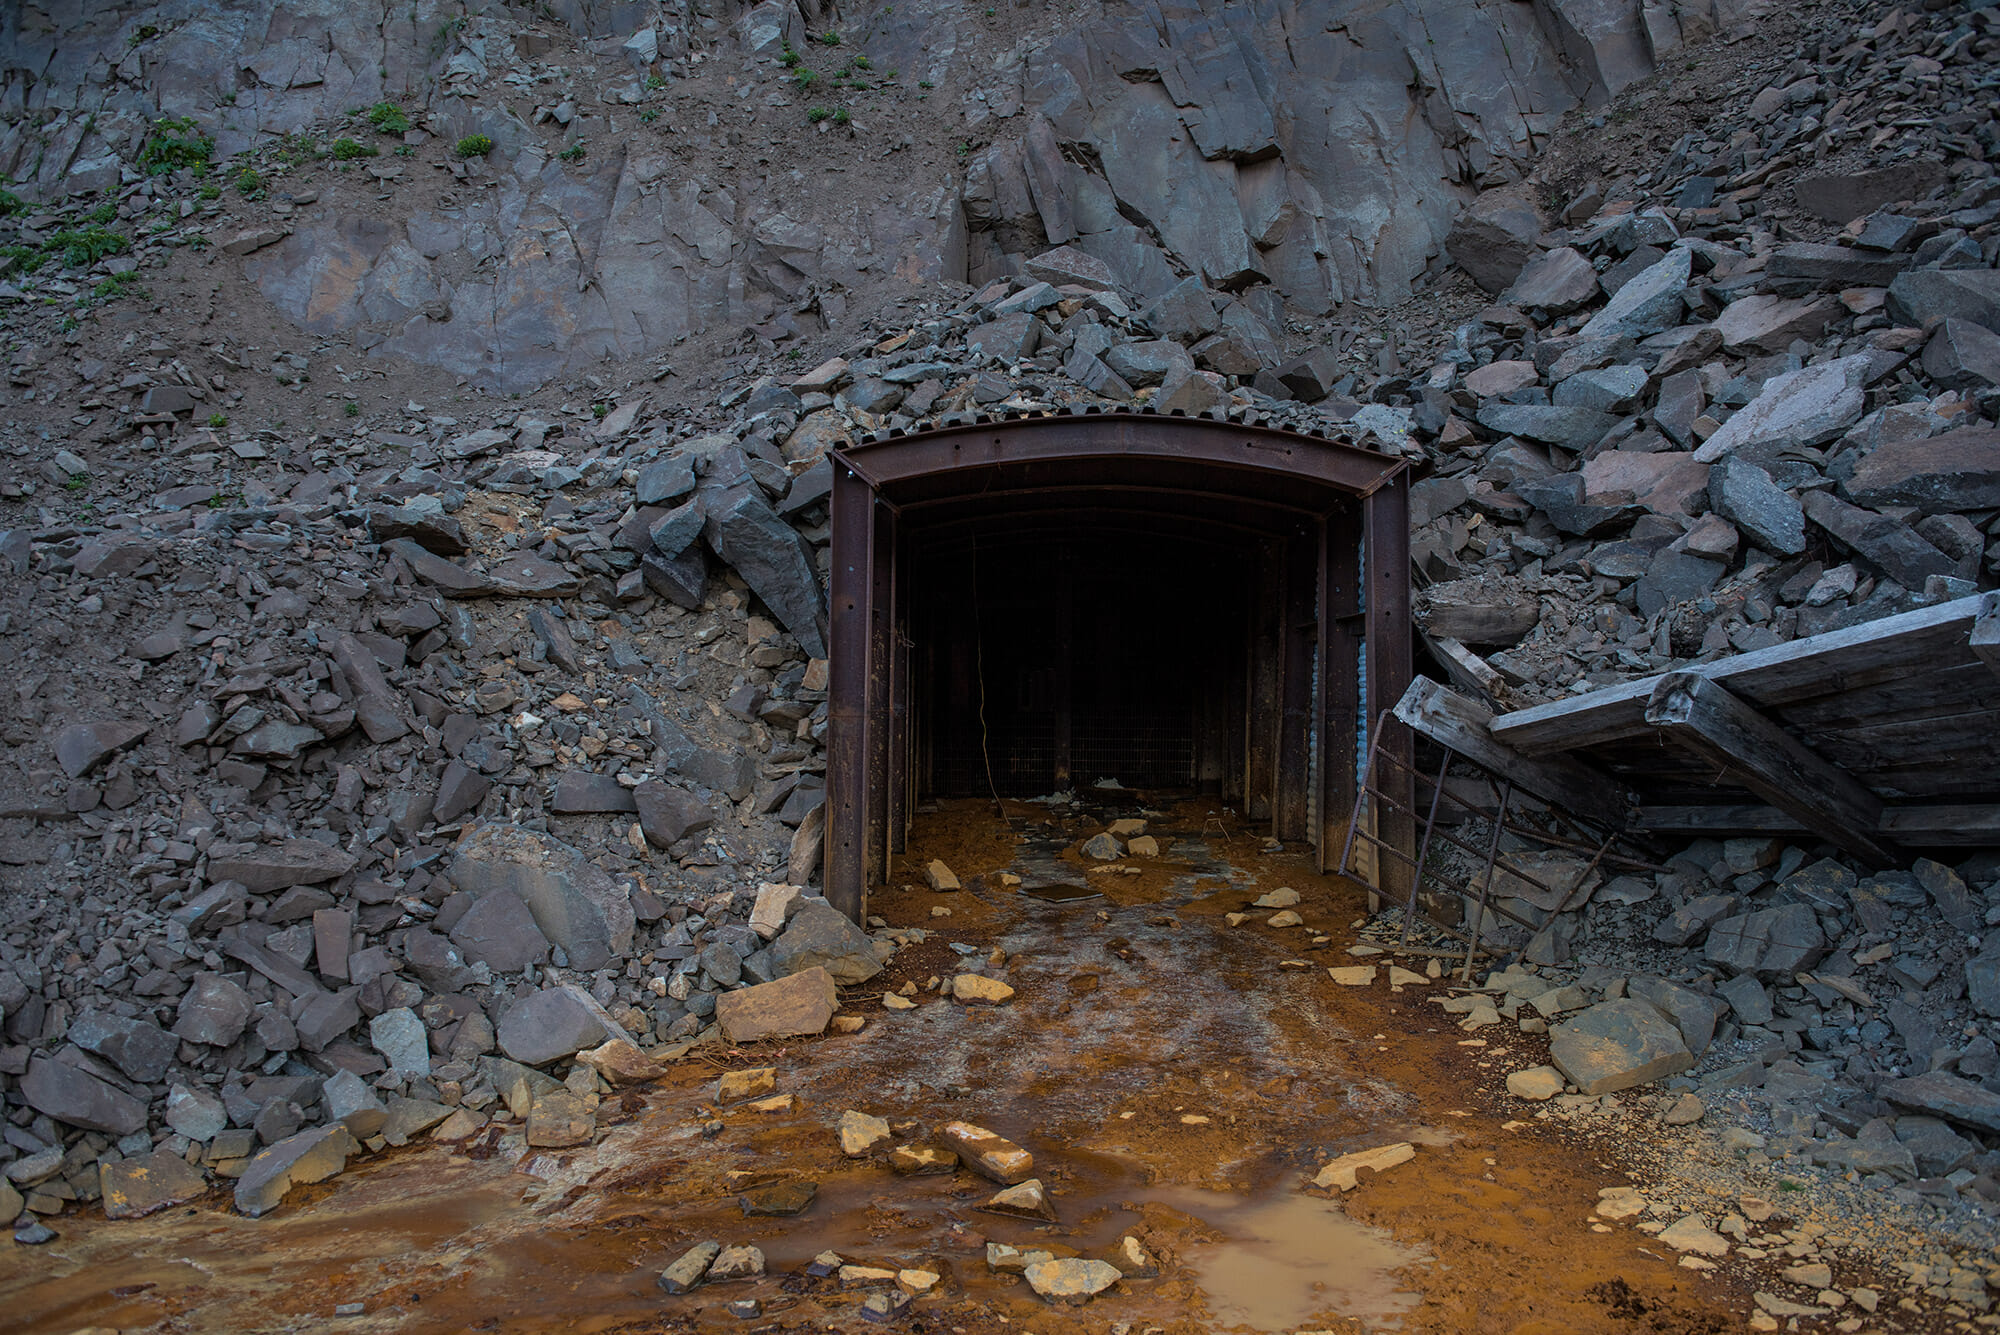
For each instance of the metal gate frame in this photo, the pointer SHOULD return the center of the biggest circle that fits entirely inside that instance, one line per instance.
(1343, 598)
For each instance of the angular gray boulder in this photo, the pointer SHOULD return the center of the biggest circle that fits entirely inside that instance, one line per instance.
(1618, 1044)
(576, 905)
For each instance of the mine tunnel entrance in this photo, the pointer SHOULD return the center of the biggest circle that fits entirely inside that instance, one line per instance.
(1059, 653)
(1036, 603)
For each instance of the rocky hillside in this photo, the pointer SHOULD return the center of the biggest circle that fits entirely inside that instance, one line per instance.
(375, 743)
(656, 172)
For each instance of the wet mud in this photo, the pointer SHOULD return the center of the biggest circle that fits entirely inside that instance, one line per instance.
(1178, 1080)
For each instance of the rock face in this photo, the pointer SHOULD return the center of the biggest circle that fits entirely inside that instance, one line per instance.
(1203, 168)
(1617, 1044)
(134, 1188)
(574, 903)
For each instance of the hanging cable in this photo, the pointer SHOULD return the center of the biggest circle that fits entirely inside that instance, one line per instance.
(979, 670)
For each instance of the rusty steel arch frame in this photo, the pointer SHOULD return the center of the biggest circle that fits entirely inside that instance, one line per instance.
(1336, 520)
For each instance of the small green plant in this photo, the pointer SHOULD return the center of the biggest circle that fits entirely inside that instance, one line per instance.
(473, 146)
(600, 410)
(70, 324)
(817, 114)
(229, 98)
(862, 63)
(77, 482)
(806, 76)
(210, 191)
(20, 259)
(388, 118)
(829, 39)
(249, 182)
(925, 84)
(11, 204)
(964, 149)
(649, 115)
(346, 150)
(575, 152)
(405, 151)
(351, 408)
(294, 149)
(85, 246)
(788, 57)
(655, 82)
(175, 143)
(103, 213)
(218, 420)
(111, 289)
(989, 11)
(841, 117)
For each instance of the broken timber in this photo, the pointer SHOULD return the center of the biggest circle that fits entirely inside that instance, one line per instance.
(1875, 738)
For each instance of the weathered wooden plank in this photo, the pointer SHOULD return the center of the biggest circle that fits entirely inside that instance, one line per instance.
(1818, 665)
(1940, 693)
(1920, 825)
(1703, 717)
(1501, 622)
(1723, 818)
(1453, 721)
(1469, 673)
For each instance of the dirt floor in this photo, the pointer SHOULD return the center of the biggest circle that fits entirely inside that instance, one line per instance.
(1177, 1080)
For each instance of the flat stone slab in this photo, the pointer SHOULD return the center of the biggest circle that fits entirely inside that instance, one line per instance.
(1344, 1172)
(297, 1160)
(135, 1188)
(1618, 1044)
(989, 1154)
(800, 1004)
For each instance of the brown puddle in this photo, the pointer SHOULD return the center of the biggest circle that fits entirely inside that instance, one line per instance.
(1291, 1260)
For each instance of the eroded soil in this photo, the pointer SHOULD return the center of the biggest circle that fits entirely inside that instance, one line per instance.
(1176, 1079)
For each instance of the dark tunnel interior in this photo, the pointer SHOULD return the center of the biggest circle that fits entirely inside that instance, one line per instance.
(1051, 656)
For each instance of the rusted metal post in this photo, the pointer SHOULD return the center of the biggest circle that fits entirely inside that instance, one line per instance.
(881, 661)
(1339, 716)
(1386, 523)
(846, 870)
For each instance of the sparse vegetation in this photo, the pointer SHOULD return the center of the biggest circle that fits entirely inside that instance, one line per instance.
(649, 115)
(351, 408)
(83, 246)
(112, 288)
(388, 118)
(218, 420)
(210, 191)
(473, 146)
(788, 57)
(829, 38)
(575, 152)
(654, 82)
(600, 410)
(817, 114)
(345, 150)
(175, 143)
(806, 76)
(77, 482)
(841, 117)
(106, 212)
(250, 183)
(20, 259)
(862, 63)
(11, 204)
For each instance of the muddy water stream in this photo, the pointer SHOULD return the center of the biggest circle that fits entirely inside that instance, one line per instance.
(1177, 1080)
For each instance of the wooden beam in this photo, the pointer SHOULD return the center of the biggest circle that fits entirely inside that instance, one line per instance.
(1702, 717)
(1828, 664)
(1928, 825)
(1469, 673)
(1453, 721)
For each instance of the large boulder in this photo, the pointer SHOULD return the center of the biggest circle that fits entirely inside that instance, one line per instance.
(550, 1025)
(1495, 237)
(298, 1160)
(1771, 943)
(576, 905)
(803, 1003)
(820, 936)
(1618, 1044)
(77, 1098)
